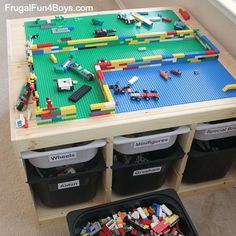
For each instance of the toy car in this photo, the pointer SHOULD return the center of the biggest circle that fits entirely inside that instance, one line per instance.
(176, 72)
(78, 69)
(104, 32)
(65, 84)
(97, 22)
(137, 96)
(179, 25)
(23, 99)
(164, 74)
(126, 17)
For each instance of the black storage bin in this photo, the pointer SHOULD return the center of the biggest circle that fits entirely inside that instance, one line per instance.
(68, 189)
(209, 160)
(139, 177)
(78, 219)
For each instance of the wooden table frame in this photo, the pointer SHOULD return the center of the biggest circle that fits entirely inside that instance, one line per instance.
(112, 125)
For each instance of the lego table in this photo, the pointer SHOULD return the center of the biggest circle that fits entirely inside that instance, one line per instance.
(36, 137)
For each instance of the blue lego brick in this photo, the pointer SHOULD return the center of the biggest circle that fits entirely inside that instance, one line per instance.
(123, 37)
(170, 56)
(207, 41)
(79, 46)
(38, 52)
(194, 54)
(186, 88)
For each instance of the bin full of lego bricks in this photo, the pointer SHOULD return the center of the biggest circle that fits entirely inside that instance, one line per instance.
(158, 213)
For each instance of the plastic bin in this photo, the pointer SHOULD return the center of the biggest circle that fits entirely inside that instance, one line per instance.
(148, 141)
(209, 160)
(79, 218)
(56, 191)
(216, 130)
(63, 155)
(148, 173)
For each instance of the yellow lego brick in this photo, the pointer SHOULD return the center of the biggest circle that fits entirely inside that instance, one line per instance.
(110, 99)
(194, 60)
(96, 45)
(30, 60)
(149, 58)
(125, 60)
(144, 66)
(32, 76)
(101, 106)
(67, 49)
(208, 47)
(107, 91)
(92, 40)
(229, 87)
(172, 219)
(68, 110)
(53, 58)
(34, 47)
(68, 117)
(153, 34)
(36, 94)
(184, 31)
(138, 42)
(211, 55)
(178, 55)
(96, 106)
(162, 37)
(40, 112)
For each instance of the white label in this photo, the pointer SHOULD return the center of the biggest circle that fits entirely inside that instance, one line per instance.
(147, 171)
(220, 130)
(69, 184)
(62, 157)
(151, 142)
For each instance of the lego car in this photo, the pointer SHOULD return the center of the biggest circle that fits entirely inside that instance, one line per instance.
(126, 17)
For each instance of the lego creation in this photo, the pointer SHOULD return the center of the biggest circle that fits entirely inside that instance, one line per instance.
(162, 54)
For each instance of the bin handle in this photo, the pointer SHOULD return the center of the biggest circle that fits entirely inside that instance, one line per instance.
(122, 140)
(203, 126)
(35, 154)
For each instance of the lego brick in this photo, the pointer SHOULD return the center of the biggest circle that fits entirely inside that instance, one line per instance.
(80, 93)
(68, 110)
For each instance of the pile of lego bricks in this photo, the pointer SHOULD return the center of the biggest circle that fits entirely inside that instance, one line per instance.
(153, 220)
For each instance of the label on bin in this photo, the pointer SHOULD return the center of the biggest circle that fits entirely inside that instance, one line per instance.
(69, 184)
(62, 157)
(220, 130)
(152, 142)
(147, 171)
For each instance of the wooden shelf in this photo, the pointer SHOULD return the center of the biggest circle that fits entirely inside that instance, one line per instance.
(189, 189)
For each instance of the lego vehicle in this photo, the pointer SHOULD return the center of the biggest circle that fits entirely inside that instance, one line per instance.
(104, 32)
(176, 72)
(126, 17)
(65, 84)
(164, 74)
(117, 88)
(137, 96)
(97, 22)
(81, 71)
(179, 25)
(23, 99)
